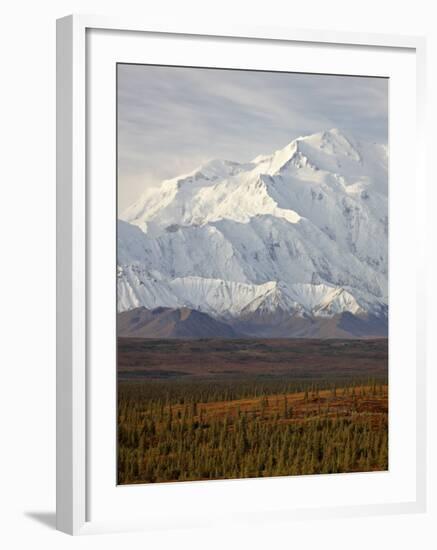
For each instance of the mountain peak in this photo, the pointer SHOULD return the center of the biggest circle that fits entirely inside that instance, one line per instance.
(308, 151)
(333, 142)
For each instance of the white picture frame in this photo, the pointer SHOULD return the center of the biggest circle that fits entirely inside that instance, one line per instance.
(74, 461)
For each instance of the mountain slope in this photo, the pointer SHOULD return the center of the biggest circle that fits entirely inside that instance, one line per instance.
(171, 323)
(302, 231)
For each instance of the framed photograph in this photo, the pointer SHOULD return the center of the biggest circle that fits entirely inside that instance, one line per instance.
(240, 275)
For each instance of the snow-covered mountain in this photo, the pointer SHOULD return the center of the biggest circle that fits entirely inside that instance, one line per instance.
(302, 232)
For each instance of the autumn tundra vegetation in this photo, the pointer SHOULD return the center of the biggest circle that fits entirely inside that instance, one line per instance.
(260, 415)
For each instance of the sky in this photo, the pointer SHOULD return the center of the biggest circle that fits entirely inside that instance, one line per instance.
(173, 119)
